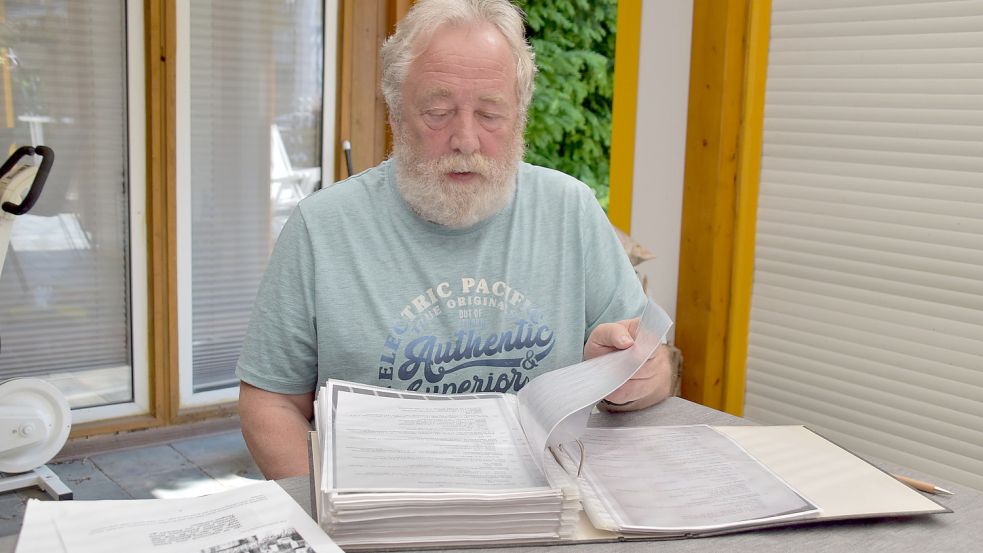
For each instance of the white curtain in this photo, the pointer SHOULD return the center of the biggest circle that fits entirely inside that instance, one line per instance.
(867, 308)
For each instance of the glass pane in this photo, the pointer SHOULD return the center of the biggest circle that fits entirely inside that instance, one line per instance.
(256, 88)
(64, 289)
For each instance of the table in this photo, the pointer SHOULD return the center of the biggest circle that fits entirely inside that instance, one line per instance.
(960, 531)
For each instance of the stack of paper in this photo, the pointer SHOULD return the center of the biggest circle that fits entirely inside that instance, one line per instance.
(258, 517)
(444, 469)
(410, 469)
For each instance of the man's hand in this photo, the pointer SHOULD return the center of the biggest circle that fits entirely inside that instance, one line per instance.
(275, 427)
(649, 385)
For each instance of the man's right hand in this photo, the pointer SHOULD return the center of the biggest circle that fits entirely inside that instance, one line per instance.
(275, 427)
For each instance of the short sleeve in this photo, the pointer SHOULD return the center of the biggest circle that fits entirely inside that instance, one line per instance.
(613, 292)
(279, 353)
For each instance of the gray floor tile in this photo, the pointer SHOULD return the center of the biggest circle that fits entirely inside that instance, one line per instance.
(12, 506)
(205, 450)
(233, 468)
(124, 465)
(220, 455)
(183, 482)
(87, 481)
(152, 472)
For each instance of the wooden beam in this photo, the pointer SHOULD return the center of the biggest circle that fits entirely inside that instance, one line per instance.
(362, 120)
(161, 101)
(8, 92)
(623, 113)
(746, 215)
(709, 195)
(343, 124)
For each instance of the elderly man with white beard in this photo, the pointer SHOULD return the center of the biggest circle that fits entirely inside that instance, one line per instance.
(452, 267)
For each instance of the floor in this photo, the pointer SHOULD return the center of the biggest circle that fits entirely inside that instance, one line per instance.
(181, 468)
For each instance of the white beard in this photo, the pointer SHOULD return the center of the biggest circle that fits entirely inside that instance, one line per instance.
(430, 194)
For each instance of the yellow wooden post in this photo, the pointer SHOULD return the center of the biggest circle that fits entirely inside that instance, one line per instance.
(713, 122)
(745, 224)
(622, 165)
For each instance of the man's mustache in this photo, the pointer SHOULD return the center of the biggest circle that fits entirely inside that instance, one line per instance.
(463, 163)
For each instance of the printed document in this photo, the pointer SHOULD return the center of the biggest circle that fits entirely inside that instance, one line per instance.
(258, 517)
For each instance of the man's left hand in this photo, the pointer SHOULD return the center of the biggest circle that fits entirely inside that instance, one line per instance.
(649, 385)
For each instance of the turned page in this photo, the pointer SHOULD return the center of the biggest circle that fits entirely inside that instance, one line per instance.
(554, 407)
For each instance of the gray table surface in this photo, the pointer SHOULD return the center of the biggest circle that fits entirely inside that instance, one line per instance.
(959, 531)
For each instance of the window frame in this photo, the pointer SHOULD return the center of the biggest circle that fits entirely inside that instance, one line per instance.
(187, 398)
(152, 37)
(136, 268)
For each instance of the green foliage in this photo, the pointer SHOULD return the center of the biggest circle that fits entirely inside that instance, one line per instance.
(569, 125)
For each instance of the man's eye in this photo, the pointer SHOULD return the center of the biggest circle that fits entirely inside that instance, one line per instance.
(437, 115)
(489, 116)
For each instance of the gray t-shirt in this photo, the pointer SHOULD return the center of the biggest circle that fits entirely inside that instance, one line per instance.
(360, 288)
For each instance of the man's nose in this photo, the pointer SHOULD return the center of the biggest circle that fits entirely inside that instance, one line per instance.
(464, 135)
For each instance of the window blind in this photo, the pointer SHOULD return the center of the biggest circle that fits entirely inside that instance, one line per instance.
(867, 306)
(255, 96)
(64, 290)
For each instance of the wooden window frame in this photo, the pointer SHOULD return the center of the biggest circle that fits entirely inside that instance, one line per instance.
(360, 118)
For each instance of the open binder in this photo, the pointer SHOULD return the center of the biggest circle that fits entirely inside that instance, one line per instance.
(841, 485)
(404, 470)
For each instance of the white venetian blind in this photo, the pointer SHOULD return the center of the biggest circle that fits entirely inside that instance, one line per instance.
(867, 308)
(65, 289)
(255, 105)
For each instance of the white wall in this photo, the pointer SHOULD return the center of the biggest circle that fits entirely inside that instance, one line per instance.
(660, 141)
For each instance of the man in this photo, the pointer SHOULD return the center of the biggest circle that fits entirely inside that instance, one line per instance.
(452, 267)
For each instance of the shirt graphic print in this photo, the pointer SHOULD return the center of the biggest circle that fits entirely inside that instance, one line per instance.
(466, 335)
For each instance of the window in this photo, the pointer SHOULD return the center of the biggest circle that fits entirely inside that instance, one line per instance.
(72, 298)
(250, 97)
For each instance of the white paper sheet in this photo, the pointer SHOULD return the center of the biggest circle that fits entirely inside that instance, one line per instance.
(37, 533)
(262, 514)
(554, 407)
(700, 480)
(390, 443)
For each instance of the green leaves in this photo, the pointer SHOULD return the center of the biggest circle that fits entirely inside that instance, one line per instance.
(569, 125)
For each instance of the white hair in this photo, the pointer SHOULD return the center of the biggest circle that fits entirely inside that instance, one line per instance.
(400, 49)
